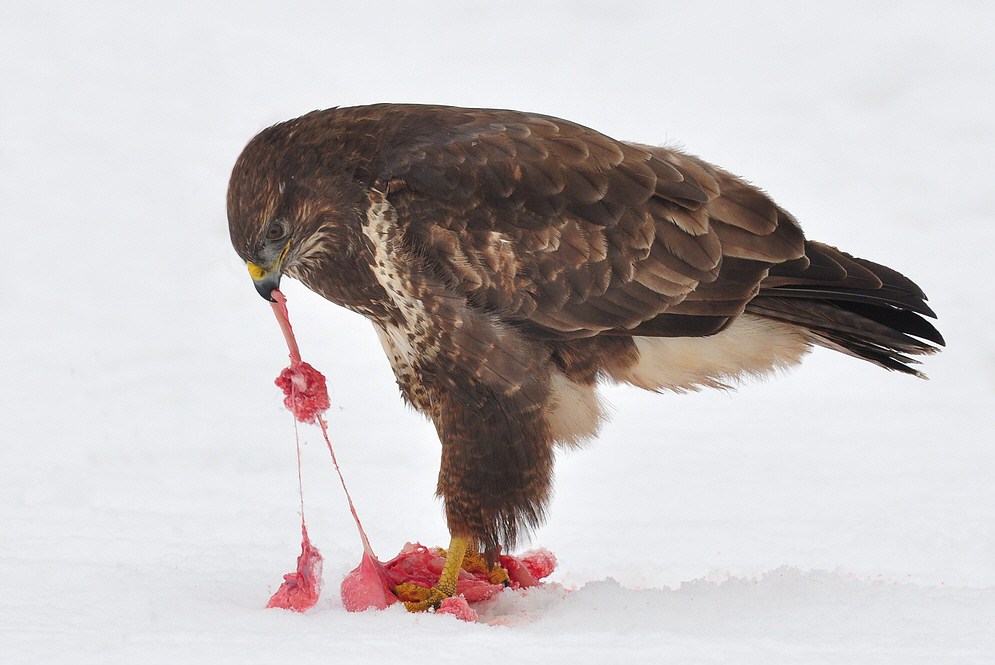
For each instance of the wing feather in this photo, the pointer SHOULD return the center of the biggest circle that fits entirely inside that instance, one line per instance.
(594, 235)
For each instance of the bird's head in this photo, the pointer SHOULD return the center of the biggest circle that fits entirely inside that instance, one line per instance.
(292, 204)
(266, 263)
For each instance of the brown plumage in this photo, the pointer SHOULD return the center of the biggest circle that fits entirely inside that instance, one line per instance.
(510, 261)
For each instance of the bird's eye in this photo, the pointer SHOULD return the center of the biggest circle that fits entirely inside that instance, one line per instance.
(276, 231)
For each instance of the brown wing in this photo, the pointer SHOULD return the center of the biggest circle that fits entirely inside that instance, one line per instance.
(569, 233)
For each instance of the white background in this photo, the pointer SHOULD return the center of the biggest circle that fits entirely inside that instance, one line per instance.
(148, 499)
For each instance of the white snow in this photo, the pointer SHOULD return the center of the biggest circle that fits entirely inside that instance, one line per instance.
(148, 500)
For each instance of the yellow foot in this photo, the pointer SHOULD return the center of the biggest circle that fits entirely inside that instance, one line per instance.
(418, 598)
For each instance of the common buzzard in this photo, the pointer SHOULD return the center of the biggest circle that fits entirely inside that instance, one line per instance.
(510, 261)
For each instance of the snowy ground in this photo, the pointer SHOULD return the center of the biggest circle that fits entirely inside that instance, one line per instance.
(147, 482)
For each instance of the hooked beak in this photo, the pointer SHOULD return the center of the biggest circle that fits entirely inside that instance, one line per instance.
(264, 280)
(267, 281)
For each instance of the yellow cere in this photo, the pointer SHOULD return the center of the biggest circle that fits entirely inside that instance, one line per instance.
(255, 272)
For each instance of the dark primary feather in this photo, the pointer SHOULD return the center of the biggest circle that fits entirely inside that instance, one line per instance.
(853, 305)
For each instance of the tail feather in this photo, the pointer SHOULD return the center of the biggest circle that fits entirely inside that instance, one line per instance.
(851, 305)
(883, 297)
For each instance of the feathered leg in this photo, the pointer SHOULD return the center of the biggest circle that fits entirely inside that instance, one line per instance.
(495, 474)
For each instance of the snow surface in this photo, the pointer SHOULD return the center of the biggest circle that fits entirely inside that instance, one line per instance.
(148, 500)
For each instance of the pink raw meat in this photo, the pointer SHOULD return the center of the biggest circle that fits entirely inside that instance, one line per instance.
(299, 591)
(422, 566)
(305, 390)
(459, 608)
(306, 394)
(540, 563)
(365, 587)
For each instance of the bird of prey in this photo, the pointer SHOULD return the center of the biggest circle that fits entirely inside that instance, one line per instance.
(511, 261)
